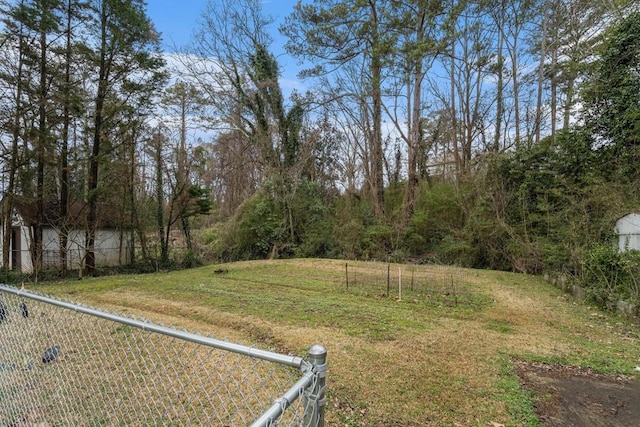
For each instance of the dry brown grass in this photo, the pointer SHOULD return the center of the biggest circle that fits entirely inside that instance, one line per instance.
(416, 362)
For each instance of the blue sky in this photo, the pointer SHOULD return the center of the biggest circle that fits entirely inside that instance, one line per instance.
(176, 20)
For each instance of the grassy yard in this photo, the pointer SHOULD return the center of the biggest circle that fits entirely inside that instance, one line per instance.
(441, 355)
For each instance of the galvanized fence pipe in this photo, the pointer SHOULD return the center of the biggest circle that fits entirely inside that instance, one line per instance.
(293, 361)
(145, 367)
(280, 405)
(312, 386)
(315, 396)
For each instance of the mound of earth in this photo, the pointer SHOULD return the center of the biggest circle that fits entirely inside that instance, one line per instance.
(571, 396)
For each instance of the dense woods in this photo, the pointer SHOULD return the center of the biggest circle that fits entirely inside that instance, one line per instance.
(494, 134)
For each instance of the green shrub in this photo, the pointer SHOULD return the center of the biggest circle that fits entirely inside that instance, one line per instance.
(209, 236)
(378, 241)
(454, 250)
(348, 239)
(610, 275)
(281, 220)
(437, 216)
(190, 260)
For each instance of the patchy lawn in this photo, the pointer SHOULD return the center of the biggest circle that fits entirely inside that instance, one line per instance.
(457, 352)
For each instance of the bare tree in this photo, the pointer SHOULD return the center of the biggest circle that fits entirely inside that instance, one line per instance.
(334, 34)
(419, 24)
(184, 101)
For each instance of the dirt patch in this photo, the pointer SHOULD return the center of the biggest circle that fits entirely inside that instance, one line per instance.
(571, 396)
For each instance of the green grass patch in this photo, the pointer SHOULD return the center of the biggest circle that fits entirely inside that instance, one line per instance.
(517, 400)
(425, 347)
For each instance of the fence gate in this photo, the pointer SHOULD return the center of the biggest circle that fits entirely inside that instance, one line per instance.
(63, 364)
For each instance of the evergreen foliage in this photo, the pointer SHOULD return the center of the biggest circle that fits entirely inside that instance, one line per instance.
(432, 132)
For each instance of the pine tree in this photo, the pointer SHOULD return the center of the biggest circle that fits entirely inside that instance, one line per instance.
(127, 69)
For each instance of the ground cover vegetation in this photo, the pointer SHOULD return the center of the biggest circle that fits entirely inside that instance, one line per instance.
(415, 361)
(489, 134)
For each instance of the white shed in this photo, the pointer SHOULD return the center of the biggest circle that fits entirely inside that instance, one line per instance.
(111, 243)
(627, 229)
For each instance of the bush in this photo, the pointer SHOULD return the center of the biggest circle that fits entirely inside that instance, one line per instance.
(348, 238)
(457, 251)
(610, 275)
(437, 219)
(190, 260)
(281, 220)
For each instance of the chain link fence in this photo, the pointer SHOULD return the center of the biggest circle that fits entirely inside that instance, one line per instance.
(63, 364)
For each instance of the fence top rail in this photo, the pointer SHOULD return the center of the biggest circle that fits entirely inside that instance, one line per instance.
(281, 404)
(288, 360)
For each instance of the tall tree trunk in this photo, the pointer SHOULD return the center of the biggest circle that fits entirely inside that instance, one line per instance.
(13, 162)
(377, 163)
(64, 149)
(126, 49)
(516, 90)
(568, 102)
(96, 150)
(183, 170)
(454, 114)
(43, 134)
(131, 196)
(500, 84)
(554, 84)
(157, 142)
(7, 205)
(92, 196)
(414, 142)
(414, 97)
(543, 54)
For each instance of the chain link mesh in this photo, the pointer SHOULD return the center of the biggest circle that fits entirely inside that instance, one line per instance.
(62, 367)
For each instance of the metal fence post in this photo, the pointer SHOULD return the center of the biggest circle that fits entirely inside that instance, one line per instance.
(315, 396)
(88, 356)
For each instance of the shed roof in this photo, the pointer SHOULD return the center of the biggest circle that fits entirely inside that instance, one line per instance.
(628, 224)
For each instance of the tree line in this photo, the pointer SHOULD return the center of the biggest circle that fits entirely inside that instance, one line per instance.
(491, 133)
